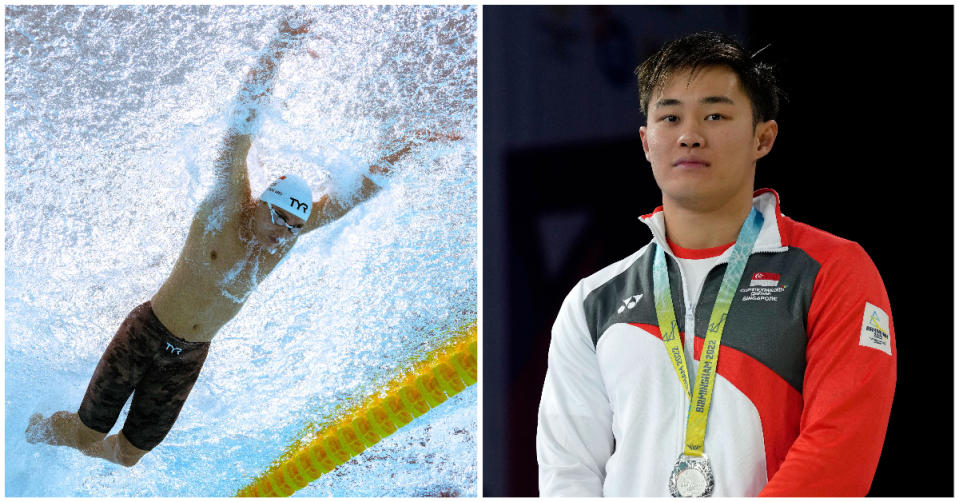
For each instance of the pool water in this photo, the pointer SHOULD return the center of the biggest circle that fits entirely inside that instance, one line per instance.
(113, 119)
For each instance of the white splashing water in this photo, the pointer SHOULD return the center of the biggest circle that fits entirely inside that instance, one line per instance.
(113, 118)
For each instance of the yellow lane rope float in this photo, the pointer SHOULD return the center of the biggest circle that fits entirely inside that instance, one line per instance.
(445, 373)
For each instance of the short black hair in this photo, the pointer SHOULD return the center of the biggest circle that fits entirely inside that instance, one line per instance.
(712, 49)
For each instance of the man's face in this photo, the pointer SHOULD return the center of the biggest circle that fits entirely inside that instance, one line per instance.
(270, 230)
(700, 139)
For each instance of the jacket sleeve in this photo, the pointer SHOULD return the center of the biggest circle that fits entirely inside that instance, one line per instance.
(574, 436)
(848, 385)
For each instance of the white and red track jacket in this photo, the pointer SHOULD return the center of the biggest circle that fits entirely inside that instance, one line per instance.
(806, 371)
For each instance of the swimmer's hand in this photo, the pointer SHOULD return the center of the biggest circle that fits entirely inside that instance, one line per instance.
(298, 27)
(326, 209)
(400, 148)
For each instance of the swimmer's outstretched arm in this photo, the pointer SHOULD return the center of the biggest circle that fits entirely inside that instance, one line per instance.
(327, 209)
(232, 179)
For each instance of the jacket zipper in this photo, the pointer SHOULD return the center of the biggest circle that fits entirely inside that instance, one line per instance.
(689, 338)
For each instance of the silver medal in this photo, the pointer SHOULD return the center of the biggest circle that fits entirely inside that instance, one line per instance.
(692, 477)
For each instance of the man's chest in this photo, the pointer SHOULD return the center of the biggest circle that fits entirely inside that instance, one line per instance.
(224, 261)
(765, 324)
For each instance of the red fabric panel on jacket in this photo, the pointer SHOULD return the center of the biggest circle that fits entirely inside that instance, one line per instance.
(652, 329)
(779, 404)
(847, 388)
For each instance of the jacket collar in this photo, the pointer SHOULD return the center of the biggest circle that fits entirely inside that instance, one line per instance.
(771, 237)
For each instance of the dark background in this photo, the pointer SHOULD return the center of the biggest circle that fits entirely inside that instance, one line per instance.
(865, 151)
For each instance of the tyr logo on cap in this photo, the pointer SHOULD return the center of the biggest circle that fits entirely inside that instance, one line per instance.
(300, 206)
(291, 193)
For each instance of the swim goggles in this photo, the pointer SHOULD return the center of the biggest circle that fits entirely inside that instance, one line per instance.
(274, 215)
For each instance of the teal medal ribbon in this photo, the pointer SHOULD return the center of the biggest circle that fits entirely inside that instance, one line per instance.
(692, 475)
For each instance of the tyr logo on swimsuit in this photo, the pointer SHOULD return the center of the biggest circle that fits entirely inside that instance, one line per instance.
(172, 349)
(298, 205)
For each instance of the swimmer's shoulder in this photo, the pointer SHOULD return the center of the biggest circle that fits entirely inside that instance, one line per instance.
(214, 230)
(221, 209)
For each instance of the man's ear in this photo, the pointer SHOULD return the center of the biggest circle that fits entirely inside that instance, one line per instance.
(766, 133)
(642, 137)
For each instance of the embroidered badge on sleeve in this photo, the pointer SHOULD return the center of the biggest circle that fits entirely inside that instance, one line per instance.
(875, 329)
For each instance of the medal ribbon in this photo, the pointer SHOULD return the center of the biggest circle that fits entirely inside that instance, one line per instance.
(706, 375)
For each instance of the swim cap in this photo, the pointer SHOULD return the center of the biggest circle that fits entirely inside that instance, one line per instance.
(290, 193)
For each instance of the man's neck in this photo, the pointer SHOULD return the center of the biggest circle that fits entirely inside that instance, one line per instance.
(694, 228)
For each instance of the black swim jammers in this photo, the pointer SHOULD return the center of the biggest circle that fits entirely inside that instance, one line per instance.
(158, 368)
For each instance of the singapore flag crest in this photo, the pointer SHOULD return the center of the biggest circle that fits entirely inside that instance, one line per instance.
(764, 280)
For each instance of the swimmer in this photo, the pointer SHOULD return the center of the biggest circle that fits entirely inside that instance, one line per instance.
(234, 242)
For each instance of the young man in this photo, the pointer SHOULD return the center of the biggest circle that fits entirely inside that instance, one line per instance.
(740, 353)
(235, 241)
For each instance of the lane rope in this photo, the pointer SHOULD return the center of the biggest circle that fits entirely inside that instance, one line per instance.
(441, 375)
